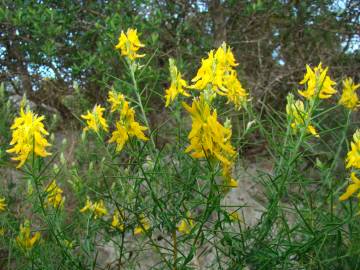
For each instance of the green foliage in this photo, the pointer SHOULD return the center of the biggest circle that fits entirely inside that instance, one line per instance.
(61, 55)
(6, 112)
(273, 40)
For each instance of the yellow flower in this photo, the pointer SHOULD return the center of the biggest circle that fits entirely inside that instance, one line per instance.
(24, 239)
(54, 195)
(88, 205)
(234, 91)
(143, 226)
(2, 204)
(313, 131)
(349, 98)
(28, 137)
(225, 57)
(127, 127)
(186, 224)
(177, 84)
(206, 73)
(352, 188)
(296, 111)
(318, 83)
(119, 136)
(353, 156)
(115, 99)
(2, 231)
(129, 44)
(234, 216)
(68, 244)
(118, 221)
(208, 138)
(217, 73)
(95, 119)
(97, 208)
(214, 68)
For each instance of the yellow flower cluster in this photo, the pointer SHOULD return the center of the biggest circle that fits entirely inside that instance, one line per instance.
(68, 244)
(126, 126)
(24, 240)
(95, 119)
(298, 115)
(353, 156)
(129, 44)
(214, 68)
(318, 83)
(349, 98)
(54, 195)
(352, 188)
(210, 139)
(234, 216)
(28, 137)
(118, 221)
(177, 86)
(2, 204)
(353, 161)
(98, 208)
(116, 100)
(143, 226)
(186, 224)
(217, 74)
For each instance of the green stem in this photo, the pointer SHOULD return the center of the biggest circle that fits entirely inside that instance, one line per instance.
(139, 101)
(53, 232)
(175, 247)
(328, 179)
(337, 153)
(288, 164)
(211, 202)
(294, 153)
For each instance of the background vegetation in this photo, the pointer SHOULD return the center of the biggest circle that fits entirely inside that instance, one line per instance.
(60, 53)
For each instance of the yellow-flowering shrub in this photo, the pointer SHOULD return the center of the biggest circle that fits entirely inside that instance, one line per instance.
(349, 98)
(126, 126)
(95, 119)
(177, 86)
(299, 117)
(98, 208)
(217, 74)
(129, 44)
(54, 195)
(28, 137)
(318, 83)
(165, 198)
(25, 240)
(353, 156)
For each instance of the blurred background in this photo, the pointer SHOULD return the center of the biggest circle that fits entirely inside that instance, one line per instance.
(61, 53)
